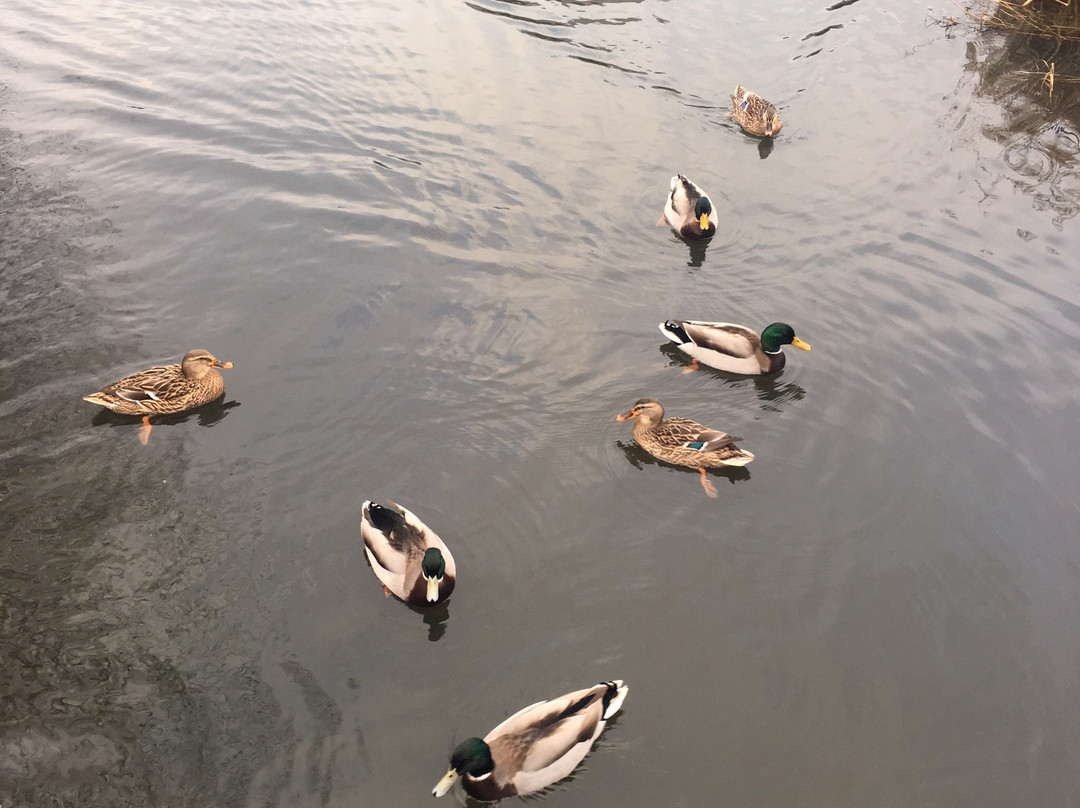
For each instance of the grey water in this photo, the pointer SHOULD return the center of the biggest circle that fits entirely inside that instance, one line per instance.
(424, 235)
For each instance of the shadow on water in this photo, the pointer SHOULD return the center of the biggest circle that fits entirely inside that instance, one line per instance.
(1035, 80)
(697, 252)
(770, 390)
(774, 392)
(639, 459)
(435, 618)
(208, 415)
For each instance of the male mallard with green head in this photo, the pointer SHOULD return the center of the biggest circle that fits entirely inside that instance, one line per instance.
(688, 209)
(164, 389)
(683, 441)
(406, 555)
(731, 347)
(535, 747)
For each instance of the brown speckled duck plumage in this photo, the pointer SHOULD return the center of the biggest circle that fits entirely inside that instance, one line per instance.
(754, 114)
(165, 388)
(682, 441)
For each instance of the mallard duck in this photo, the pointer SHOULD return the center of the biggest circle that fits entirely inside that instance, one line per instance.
(407, 556)
(734, 348)
(753, 113)
(687, 210)
(164, 389)
(535, 747)
(682, 441)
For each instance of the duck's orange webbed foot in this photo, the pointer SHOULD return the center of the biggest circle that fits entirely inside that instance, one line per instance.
(144, 430)
(691, 369)
(706, 483)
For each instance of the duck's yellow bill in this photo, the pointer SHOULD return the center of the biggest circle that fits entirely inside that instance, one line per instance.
(625, 416)
(220, 364)
(432, 589)
(798, 343)
(704, 221)
(444, 785)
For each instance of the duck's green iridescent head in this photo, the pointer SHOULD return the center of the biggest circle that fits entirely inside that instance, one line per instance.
(433, 567)
(778, 334)
(473, 757)
(702, 210)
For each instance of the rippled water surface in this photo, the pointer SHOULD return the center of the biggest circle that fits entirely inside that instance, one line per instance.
(424, 234)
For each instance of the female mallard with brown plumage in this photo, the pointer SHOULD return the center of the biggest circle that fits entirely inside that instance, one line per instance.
(688, 209)
(164, 389)
(753, 113)
(731, 347)
(406, 555)
(682, 441)
(536, 746)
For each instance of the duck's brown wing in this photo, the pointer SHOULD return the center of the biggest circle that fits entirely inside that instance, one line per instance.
(685, 195)
(543, 743)
(153, 384)
(692, 435)
(390, 538)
